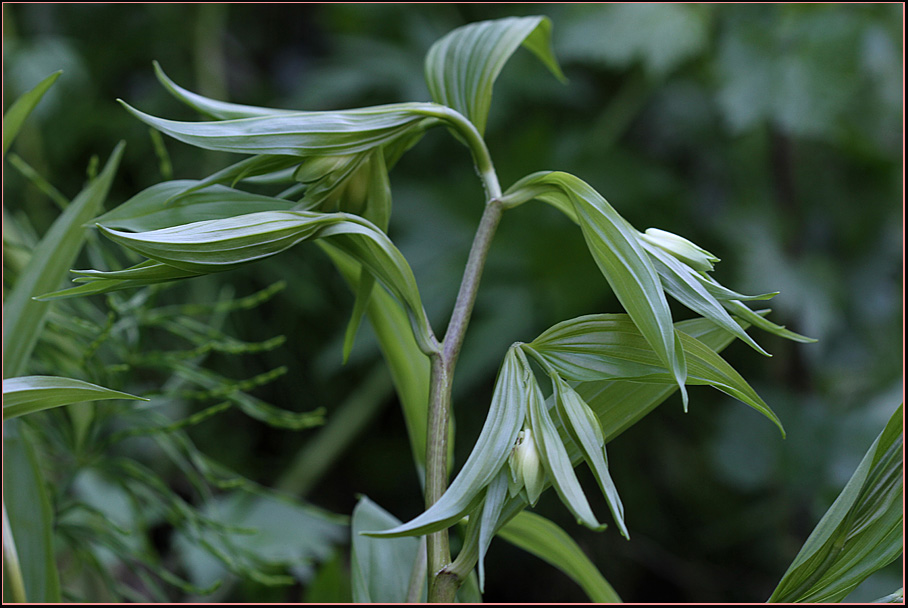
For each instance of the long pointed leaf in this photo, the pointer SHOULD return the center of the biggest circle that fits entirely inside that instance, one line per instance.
(615, 246)
(299, 133)
(27, 394)
(23, 318)
(859, 534)
(22, 107)
(506, 415)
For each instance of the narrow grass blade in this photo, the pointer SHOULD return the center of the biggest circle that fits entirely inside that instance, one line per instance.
(23, 317)
(22, 107)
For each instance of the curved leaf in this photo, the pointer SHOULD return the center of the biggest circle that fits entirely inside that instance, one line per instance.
(859, 534)
(461, 67)
(221, 110)
(615, 246)
(149, 209)
(610, 346)
(28, 394)
(505, 418)
(685, 285)
(544, 539)
(300, 133)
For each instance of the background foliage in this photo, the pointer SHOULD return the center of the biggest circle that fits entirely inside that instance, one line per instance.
(770, 135)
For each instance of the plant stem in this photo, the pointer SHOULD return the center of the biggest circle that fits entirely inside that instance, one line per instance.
(443, 583)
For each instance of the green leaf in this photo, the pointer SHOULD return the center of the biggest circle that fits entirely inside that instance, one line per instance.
(28, 394)
(22, 107)
(739, 309)
(409, 366)
(557, 463)
(506, 415)
(30, 513)
(215, 109)
(23, 317)
(615, 246)
(584, 428)
(378, 211)
(685, 285)
(94, 282)
(603, 347)
(380, 567)
(859, 534)
(461, 68)
(149, 209)
(541, 537)
(300, 133)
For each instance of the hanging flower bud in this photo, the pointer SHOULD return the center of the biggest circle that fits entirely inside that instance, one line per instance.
(526, 467)
(689, 253)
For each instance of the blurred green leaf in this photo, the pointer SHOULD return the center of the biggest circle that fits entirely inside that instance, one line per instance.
(24, 318)
(27, 394)
(461, 67)
(541, 537)
(381, 567)
(859, 534)
(31, 515)
(268, 528)
(22, 107)
(660, 36)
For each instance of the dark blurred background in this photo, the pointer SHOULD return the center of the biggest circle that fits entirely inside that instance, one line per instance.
(771, 135)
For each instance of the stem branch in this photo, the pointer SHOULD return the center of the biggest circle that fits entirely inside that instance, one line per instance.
(443, 582)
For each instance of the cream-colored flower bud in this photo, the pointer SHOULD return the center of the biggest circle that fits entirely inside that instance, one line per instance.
(689, 253)
(526, 466)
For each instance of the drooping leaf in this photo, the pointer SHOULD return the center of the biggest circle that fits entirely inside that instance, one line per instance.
(22, 107)
(615, 246)
(859, 534)
(380, 567)
(300, 134)
(544, 539)
(496, 494)
(604, 347)
(584, 428)
(94, 282)
(23, 317)
(461, 67)
(556, 461)
(150, 209)
(409, 366)
(27, 394)
(684, 284)
(506, 415)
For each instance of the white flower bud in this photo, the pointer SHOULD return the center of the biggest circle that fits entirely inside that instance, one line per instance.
(526, 466)
(689, 253)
